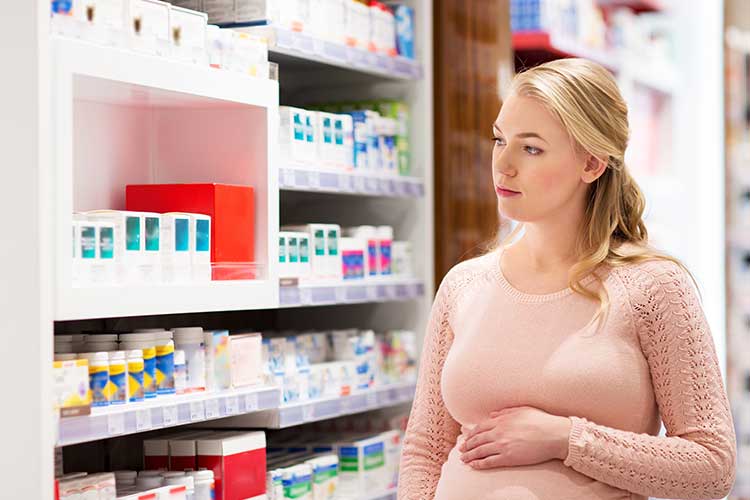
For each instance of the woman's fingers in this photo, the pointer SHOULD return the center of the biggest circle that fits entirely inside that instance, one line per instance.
(484, 426)
(481, 452)
(491, 462)
(478, 440)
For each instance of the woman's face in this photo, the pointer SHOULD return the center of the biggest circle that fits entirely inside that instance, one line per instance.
(537, 170)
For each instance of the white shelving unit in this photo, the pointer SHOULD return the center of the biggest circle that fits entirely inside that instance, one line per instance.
(86, 120)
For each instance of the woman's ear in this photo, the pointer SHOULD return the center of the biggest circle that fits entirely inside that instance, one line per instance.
(594, 169)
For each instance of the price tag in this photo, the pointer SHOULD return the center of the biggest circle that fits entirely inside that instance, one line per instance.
(308, 412)
(142, 420)
(233, 406)
(346, 406)
(197, 412)
(287, 177)
(116, 424)
(314, 180)
(212, 408)
(340, 294)
(251, 402)
(170, 415)
(359, 184)
(305, 295)
(372, 400)
(372, 293)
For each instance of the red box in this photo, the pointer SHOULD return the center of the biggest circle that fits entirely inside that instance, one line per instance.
(232, 211)
(238, 460)
(155, 454)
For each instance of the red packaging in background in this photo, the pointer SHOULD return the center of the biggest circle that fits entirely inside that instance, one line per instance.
(232, 211)
(238, 461)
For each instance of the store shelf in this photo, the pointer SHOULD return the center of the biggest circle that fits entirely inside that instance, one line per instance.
(126, 77)
(320, 181)
(142, 300)
(636, 5)
(389, 494)
(323, 409)
(163, 412)
(358, 292)
(538, 44)
(299, 50)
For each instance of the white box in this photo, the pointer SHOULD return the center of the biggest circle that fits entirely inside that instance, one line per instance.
(201, 248)
(246, 359)
(176, 247)
(187, 30)
(333, 244)
(149, 26)
(326, 139)
(320, 262)
(344, 130)
(137, 237)
(362, 466)
(294, 146)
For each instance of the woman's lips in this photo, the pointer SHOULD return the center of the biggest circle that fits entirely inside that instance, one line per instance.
(505, 192)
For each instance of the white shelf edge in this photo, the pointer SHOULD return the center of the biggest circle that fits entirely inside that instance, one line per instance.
(292, 415)
(144, 300)
(163, 412)
(354, 292)
(388, 494)
(316, 50)
(307, 179)
(188, 83)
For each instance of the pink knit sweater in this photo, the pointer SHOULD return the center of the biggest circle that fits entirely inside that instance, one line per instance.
(489, 346)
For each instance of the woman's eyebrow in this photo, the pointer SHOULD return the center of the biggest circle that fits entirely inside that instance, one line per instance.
(526, 135)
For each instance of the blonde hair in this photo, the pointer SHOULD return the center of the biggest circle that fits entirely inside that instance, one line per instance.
(585, 98)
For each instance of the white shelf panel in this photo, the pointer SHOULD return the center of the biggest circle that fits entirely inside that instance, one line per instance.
(164, 412)
(322, 409)
(139, 79)
(143, 300)
(356, 292)
(326, 181)
(389, 494)
(315, 51)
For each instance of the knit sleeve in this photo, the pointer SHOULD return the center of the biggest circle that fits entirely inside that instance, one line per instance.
(431, 432)
(697, 457)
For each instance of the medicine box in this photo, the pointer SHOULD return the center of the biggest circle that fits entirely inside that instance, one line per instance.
(218, 362)
(71, 387)
(246, 359)
(156, 454)
(326, 139)
(188, 34)
(353, 252)
(324, 255)
(404, 29)
(238, 461)
(137, 243)
(296, 136)
(232, 220)
(362, 465)
(178, 244)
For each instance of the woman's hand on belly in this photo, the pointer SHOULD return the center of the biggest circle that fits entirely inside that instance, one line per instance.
(516, 436)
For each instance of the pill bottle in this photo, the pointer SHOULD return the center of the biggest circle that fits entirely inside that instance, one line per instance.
(203, 481)
(147, 344)
(164, 363)
(135, 375)
(98, 377)
(118, 378)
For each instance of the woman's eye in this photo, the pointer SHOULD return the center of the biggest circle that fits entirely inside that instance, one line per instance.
(532, 150)
(498, 141)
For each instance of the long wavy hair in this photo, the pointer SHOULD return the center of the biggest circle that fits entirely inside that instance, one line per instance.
(585, 98)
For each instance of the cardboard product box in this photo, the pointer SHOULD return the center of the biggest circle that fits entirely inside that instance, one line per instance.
(238, 461)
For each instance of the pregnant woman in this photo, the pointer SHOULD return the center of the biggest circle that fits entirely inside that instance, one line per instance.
(549, 364)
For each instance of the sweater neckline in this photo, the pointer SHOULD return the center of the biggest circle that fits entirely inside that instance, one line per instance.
(497, 272)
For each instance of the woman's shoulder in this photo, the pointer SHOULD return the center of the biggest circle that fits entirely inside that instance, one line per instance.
(653, 275)
(467, 272)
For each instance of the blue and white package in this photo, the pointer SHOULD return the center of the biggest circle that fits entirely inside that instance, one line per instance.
(404, 29)
(359, 120)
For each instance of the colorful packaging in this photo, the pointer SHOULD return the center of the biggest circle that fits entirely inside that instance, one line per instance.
(404, 29)
(135, 375)
(165, 366)
(238, 461)
(218, 363)
(118, 378)
(98, 377)
(71, 387)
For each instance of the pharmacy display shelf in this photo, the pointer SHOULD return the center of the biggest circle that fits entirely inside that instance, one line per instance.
(356, 292)
(114, 75)
(328, 181)
(292, 49)
(145, 300)
(164, 412)
(539, 43)
(291, 415)
(389, 494)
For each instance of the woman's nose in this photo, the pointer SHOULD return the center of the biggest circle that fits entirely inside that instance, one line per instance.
(503, 164)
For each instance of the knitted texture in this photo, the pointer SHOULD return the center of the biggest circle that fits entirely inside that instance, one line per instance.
(655, 332)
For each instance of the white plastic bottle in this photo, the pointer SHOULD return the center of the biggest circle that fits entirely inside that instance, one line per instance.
(191, 340)
(118, 377)
(181, 479)
(203, 481)
(98, 377)
(180, 372)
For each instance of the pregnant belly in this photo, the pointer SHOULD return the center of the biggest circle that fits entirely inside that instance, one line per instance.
(548, 481)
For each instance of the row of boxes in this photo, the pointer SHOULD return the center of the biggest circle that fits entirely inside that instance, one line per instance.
(112, 247)
(156, 27)
(318, 252)
(313, 365)
(386, 28)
